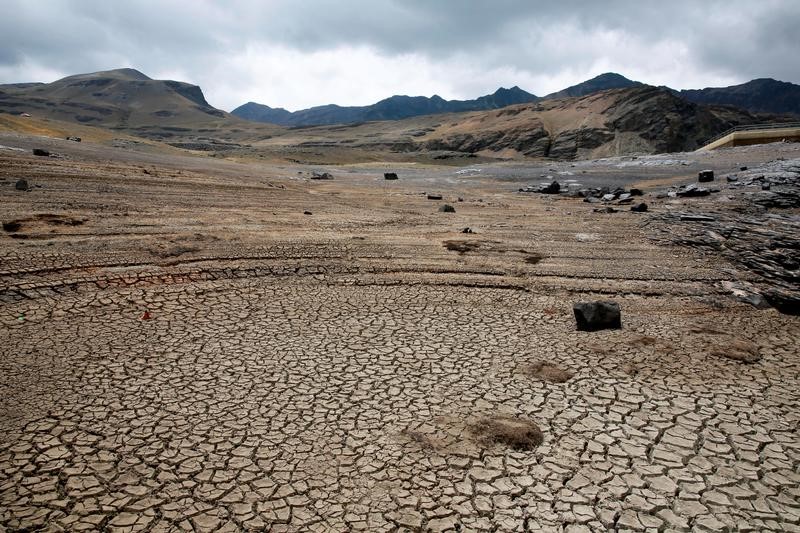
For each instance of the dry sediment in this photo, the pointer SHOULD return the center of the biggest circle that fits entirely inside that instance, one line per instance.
(351, 371)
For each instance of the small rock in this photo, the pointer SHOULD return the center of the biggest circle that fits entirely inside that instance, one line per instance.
(693, 190)
(434, 197)
(389, 176)
(705, 176)
(447, 208)
(74, 139)
(21, 185)
(307, 213)
(609, 197)
(460, 199)
(697, 218)
(639, 208)
(607, 209)
(765, 186)
(732, 178)
(322, 176)
(636, 192)
(467, 230)
(594, 316)
(553, 188)
(742, 168)
(41, 152)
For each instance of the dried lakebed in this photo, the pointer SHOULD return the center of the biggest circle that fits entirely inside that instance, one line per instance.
(350, 370)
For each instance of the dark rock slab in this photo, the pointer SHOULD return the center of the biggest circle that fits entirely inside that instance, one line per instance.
(595, 316)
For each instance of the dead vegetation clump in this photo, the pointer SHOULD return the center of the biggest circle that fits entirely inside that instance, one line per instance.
(533, 258)
(547, 372)
(737, 350)
(462, 246)
(518, 433)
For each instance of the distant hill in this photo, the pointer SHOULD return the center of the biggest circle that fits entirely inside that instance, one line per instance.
(763, 95)
(393, 108)
(603, 82)
(118, 99)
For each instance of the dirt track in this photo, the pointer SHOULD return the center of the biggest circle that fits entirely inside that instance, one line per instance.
(332, 371)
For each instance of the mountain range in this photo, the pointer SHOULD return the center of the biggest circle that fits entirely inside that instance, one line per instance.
(757, 96)
(607, 115)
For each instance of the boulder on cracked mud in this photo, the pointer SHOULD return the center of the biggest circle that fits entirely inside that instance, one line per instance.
(594, 316)
(639, 208)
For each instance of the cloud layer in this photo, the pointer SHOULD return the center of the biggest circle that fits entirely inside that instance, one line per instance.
(299, 54)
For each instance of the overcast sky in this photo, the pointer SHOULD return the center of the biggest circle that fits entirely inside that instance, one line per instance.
(301, 53)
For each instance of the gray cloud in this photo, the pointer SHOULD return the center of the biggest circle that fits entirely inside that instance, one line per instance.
(304, 53)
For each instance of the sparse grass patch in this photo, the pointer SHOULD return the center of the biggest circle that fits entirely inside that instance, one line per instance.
(518, 433)
(547, 372)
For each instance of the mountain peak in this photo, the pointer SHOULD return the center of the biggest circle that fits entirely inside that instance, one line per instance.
(602, 82)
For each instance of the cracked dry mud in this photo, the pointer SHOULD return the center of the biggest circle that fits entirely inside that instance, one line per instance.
(334, 372)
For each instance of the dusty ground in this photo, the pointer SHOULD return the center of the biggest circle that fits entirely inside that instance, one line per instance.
(345, 370)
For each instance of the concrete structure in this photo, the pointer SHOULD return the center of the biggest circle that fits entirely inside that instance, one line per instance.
(756, 134)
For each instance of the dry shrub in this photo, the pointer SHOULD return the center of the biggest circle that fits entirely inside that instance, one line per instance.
(707, 330)
(425, 441)
(462, 246)
(737, 350)
(547, 372)
(533, 258)
(518, 433)
(642, 340)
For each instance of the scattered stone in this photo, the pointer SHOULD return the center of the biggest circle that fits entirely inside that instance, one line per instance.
(639, 208)
(705, 176)
(389, 176)
(636, 192)
(696, 218)
(518, 433)
(11, 226)
(21, 185)
(742, 168)
(594, 316)
(74, 139)
(41, 152)
(467, 230)
(460, 199)
(693, 190)
(447, 208)
(547, 372)
(307, 213)
(553, 188)
(732, 178)
(321, 176)
(607, 209)
(766, 186)
(434, 196)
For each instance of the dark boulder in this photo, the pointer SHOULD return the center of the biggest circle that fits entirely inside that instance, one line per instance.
(636, 192)
(594, 316)
(321, 176)
(639, 208)
(40, 152)
(74, 139)
(21, 185)
(705, 176)
(434, 197)
(389, 176)
(785, 301)
(553, 188)
(447, 208)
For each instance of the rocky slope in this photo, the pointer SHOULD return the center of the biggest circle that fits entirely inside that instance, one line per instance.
(123, 99)
(763, 95)
(615, 122)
